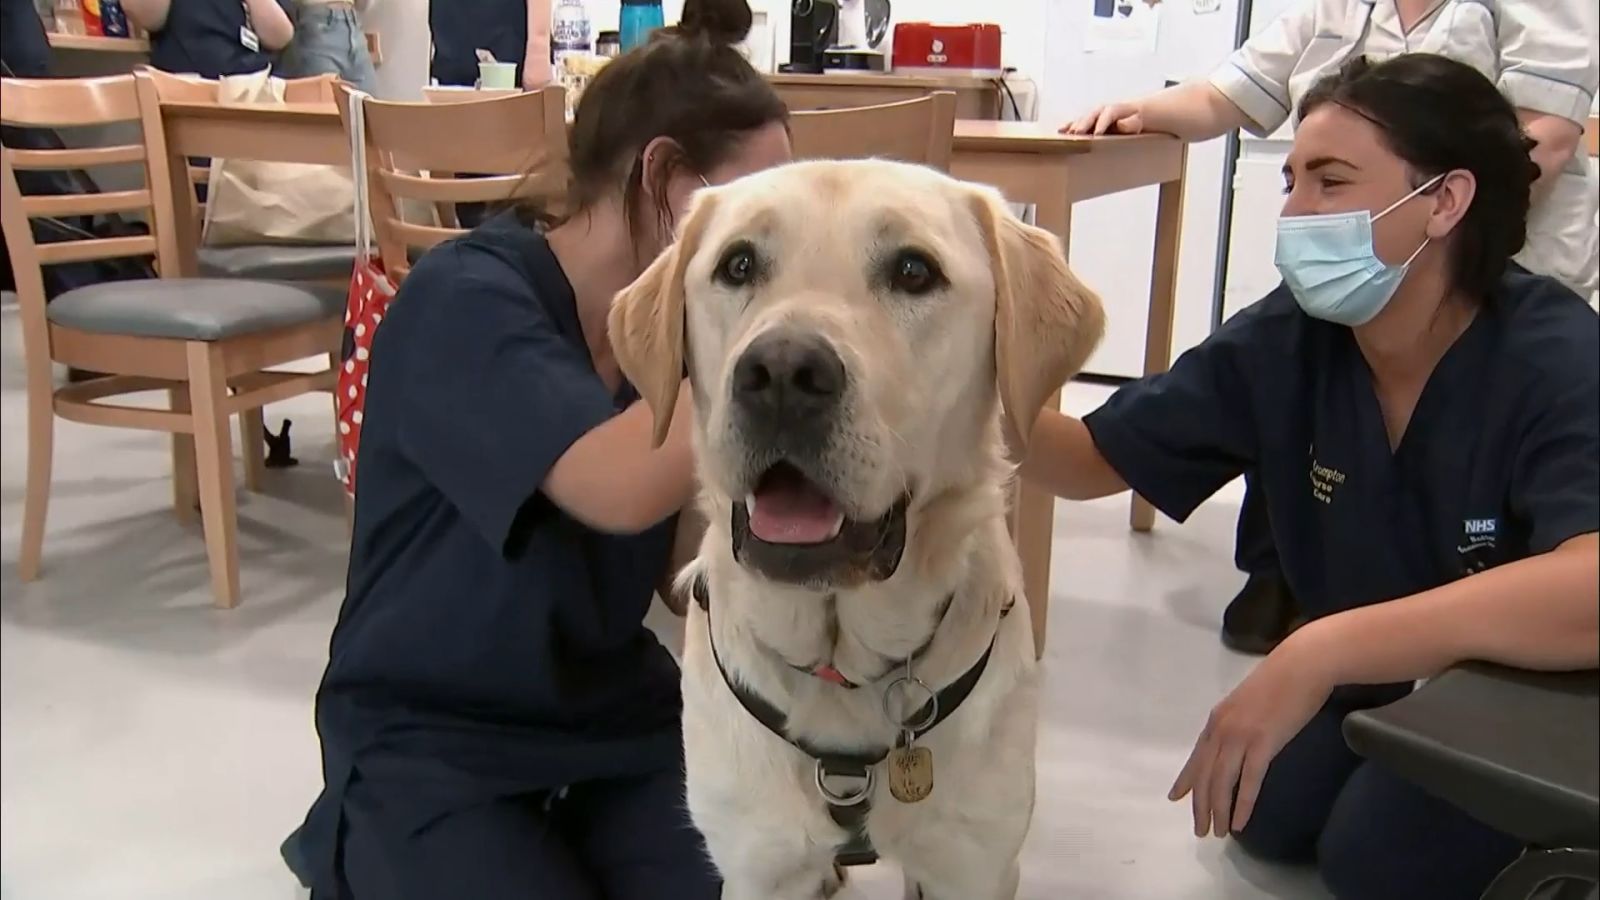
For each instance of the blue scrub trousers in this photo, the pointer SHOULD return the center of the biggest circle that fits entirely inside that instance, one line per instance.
(621, 839)
(1372, 835)
(1253, 550)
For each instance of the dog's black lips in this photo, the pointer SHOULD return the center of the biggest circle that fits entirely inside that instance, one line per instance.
(863, 551)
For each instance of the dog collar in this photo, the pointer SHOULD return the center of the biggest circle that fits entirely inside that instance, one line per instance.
(850, 812)
(827, 671)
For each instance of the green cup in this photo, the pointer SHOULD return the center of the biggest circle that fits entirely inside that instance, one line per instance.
(497, 75)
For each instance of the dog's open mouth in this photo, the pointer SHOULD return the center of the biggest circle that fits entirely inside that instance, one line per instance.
(786, 508)
(789, 529)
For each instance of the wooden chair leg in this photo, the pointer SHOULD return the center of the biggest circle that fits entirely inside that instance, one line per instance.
(185, 487)
(253, 448)
(36, 496)
(208, 392)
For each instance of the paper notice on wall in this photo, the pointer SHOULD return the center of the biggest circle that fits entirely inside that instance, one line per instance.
(1122, 27)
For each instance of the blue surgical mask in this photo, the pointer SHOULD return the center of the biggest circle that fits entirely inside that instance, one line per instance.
(1330, 266)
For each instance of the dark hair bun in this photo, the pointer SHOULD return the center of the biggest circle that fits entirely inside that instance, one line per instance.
(718, 21)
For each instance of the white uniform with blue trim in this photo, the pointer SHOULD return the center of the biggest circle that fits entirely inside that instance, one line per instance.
(1542, 54)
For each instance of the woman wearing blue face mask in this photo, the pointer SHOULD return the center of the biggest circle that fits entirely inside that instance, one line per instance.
(1540, 54)
(1424, 422)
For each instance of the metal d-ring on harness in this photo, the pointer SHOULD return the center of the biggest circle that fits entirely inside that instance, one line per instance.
(849, 807)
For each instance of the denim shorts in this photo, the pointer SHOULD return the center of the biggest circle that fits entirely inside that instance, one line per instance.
(328, 39)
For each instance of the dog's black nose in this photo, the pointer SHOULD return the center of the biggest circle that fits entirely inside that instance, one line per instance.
(788, 375)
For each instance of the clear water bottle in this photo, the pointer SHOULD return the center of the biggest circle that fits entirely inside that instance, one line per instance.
(69, 17)
(569, 32)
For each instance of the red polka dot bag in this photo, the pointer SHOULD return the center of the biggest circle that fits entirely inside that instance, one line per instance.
(368, 300)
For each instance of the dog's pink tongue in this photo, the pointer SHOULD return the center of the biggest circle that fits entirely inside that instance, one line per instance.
(786, 509)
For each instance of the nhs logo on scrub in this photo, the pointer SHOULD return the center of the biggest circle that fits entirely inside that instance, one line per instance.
(1477, 547)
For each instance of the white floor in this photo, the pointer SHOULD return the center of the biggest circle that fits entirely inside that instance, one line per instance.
(154, 747)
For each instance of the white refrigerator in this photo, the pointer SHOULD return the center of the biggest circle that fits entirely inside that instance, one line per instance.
(1257, 198)
(1112, 237)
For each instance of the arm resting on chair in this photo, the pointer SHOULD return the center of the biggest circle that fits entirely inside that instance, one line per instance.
(1541, 613)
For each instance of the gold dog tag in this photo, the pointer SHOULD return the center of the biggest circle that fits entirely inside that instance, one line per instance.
(911, 774)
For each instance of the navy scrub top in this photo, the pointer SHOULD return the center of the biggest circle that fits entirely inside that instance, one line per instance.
(202, 37)
(461, 27)
(489, 644)
(24, 49)
(1500, 461)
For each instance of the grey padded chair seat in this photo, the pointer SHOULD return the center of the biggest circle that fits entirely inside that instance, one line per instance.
(192, 309)
(273, 262)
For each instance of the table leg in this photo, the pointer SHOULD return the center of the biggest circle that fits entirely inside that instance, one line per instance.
(1033, 531)
(1163, 298)
(1033, 510)
(185, 218)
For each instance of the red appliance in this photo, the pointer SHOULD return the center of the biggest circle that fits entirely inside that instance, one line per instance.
(922, 48)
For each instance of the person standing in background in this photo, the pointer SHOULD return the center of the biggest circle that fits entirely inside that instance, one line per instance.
(24, 48)
(212, 38)
(329, 39)
(24, 53)
(515, 31)
(1541, 54)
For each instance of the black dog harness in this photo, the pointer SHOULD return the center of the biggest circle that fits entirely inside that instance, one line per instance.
(849, 810)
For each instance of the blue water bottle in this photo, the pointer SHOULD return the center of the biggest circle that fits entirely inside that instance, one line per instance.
(639, 18)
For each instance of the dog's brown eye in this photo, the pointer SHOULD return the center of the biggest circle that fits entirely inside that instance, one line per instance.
(914, 273)
(738, 265)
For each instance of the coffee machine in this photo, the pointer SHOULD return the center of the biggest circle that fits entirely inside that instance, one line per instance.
(862, 27)
(813, 28)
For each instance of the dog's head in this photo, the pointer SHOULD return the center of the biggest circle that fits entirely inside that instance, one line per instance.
(848, 327)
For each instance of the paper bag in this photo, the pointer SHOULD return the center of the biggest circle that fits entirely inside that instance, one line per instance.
(262, 202)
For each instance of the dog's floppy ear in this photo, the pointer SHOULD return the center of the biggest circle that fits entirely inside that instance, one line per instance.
(647, 318)
(1046, 322)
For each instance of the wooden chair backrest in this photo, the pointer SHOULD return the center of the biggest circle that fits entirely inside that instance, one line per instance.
(170, 88)
(509, 147)
(915, 131)
(76, 103)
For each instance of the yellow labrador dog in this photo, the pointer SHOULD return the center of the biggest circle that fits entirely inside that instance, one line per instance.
(862, 339)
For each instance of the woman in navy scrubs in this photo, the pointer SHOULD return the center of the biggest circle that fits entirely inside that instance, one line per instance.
(496, 720)
(1423, 420)
(213, 38)
(515, 31)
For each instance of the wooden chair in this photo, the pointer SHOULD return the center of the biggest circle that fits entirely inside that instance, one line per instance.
(194, 338)
(915, 131)
(317, 263)
(415, 149)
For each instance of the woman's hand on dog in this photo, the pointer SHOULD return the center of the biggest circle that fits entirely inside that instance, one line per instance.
(1248, 728)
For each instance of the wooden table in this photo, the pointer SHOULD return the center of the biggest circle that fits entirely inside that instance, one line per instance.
(1028, 161)
(95, 43)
